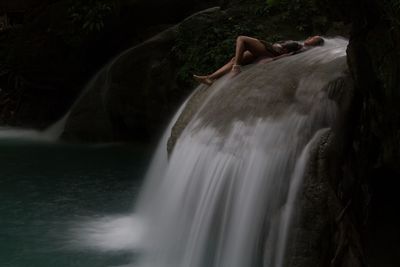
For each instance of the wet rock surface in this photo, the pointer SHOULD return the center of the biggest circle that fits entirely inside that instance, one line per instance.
(133, 95)
(49, 56)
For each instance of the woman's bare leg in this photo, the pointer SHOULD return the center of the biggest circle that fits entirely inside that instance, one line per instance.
(248, 49)
(247, 58)
(208, 79)
(253, 45)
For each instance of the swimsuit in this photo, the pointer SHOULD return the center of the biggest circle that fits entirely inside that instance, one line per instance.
(281, 48)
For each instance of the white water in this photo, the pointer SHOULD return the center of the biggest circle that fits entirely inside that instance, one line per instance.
(122, 232)
(53, 132)
(227, 196)
(13, 133)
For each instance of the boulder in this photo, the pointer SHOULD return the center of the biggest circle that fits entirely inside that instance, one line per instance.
(324, 233)
(131, 97)
(49, 56)
(372, 162)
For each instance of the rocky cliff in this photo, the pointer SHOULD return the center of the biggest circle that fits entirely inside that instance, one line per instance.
(58, 45)
(350, 204)
(324, 233)
(146, 83)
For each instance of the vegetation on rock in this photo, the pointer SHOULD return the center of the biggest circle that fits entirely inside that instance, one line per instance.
(46, 61)
(207, 47)
(90, 16)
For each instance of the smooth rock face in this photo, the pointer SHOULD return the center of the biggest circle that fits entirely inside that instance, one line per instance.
(266, 99)
(371, 167)
(59, 56)
(110, 102)
(130, 97)
(138, 105)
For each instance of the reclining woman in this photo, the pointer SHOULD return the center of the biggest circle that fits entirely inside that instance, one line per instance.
(249, 50)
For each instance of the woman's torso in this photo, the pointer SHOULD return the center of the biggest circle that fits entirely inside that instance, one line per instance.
(287, 46)
(282, 47)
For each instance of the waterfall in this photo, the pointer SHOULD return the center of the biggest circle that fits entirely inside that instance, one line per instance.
(13, 133)
(53, 132)
(227, 195)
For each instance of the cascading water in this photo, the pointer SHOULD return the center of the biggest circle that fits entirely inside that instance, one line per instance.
(13, 133)
(54, 131)
(226, 197)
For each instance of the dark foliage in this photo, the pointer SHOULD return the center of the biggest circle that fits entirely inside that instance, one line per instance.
(205, 49)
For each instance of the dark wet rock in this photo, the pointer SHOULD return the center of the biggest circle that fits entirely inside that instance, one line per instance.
(133, 95)
(265, 98)
(371, 165)
(58, 59)
(121, 93)
(327, 232)
(46, 60)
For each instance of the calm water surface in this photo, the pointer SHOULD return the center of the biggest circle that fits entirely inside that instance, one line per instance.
(46, 189)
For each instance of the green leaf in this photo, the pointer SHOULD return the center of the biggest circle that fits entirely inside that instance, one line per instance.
(85, 25)
(273, 2)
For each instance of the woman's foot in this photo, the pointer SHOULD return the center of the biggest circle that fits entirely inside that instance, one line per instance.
(236, 69)
(203, 79)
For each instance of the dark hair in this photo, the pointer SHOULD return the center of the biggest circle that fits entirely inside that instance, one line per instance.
(320, 41)
(291, 46)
